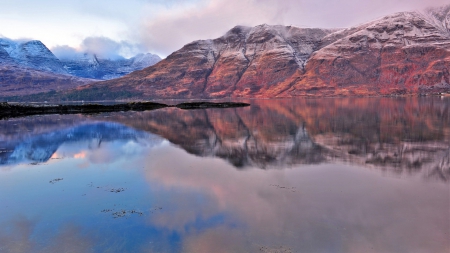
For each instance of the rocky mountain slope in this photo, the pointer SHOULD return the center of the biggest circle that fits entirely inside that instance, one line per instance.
(246, 61)
(32, 54)
(90, 66)
(4, 56)
(403, 53)
(29, 67)
(19, 81)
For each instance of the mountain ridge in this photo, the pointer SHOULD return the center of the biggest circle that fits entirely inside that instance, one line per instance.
(89, 65)
(405, 53)
(239, 54)
(29, 67)
(32, 54)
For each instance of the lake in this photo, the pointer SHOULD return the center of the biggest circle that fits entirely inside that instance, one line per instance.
(287, 175)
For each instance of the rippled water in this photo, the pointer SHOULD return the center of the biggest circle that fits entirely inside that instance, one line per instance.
(329, 175)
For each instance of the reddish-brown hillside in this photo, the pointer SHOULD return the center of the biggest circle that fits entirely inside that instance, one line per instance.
(404, 53)
(18, 81)
(246, 62)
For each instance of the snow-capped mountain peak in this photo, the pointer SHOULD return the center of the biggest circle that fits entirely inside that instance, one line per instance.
(89, 65)
(33, 54)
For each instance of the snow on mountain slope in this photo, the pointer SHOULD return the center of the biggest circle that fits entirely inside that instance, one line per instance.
(33, 54)
(439, 17)
(90, 66)
(246, 61)
(141, 61)
(4, 56)
(402, 53)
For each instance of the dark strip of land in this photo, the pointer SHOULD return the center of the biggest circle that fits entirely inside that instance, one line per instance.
(18, 110)
(205, 105)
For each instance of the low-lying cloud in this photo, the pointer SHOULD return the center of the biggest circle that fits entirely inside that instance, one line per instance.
(181, 22)
(103, 47)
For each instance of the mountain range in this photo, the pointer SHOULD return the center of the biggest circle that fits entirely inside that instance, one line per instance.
(89, 65)
(28, 67)
(406, 53)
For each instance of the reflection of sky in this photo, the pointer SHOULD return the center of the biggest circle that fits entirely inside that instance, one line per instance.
(195, 204)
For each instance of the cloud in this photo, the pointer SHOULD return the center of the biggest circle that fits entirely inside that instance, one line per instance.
(173, 25)
(65, 52)
(103, 47)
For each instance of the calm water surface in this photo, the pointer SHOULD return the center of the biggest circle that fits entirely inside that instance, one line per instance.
(330, 175)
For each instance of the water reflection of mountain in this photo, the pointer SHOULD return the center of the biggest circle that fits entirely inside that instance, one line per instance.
(406, 135)
(41, 147)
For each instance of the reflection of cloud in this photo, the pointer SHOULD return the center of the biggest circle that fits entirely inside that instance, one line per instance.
(66, 52)
(332, 209)
(21, 238)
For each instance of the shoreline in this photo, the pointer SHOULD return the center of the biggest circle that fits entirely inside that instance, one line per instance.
(8, 110)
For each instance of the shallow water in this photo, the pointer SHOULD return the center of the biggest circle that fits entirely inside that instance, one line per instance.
(329, 175)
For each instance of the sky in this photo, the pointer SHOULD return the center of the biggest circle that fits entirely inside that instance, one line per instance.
(115, 28)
